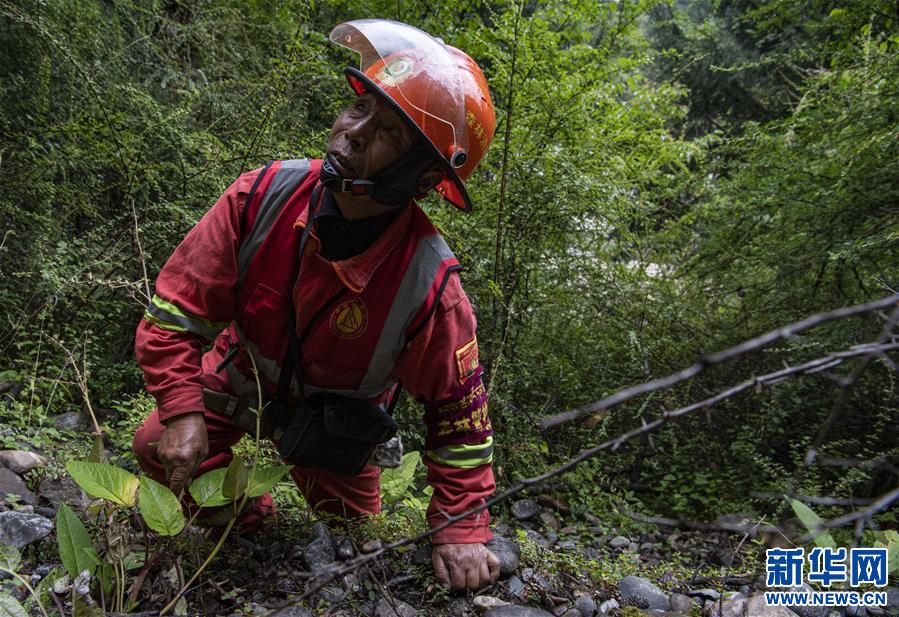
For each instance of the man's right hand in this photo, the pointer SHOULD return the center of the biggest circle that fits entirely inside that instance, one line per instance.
(182, 447)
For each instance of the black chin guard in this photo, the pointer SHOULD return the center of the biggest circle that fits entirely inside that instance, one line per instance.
(394, 186)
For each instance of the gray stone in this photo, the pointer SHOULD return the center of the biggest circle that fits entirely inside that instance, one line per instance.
(572, 612)
(585, 604)
(486, 603)
(567, 546)
(608, 606)
(892, 597)
(69, 421)
(10, 483)
(640, 592)
(704, 594)
(549, 521)
(680, 603)
(515, 587)
(513, 610)
(757, 607)
(856, 611)
(396, 608)
(619, 542)
(508, 552)
(319, 553)
(422, 555)
(19, 529)
(541, 582)
(371, 546)
(527, 574)
(21, 461)
(292, 611)
(727, 608)
(524, 509)
(345, 550)
(537, 539)
(331, 595)
(62, 491)
(458, 606)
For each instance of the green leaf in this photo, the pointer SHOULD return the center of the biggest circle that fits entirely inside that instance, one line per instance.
(893, 557)
(160, 508)
(235, 483)
(133, 560)
(207, 489)
(72, 539)
(812, 521)
(98, 450)
(394, 482)
(265, 479)
(10, 557)
(105, 481)
(10, 607)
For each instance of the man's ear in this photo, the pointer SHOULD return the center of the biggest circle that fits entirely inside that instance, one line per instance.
(429, 180)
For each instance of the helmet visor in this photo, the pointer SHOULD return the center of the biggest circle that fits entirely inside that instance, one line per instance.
(417, 71)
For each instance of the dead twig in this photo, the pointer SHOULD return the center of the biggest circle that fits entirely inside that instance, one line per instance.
(717, 358)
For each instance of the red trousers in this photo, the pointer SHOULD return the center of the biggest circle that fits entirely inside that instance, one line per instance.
(324, 490)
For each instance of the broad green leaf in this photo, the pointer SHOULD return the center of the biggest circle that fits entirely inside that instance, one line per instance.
(10, 607)
(98, 450)
(235, 483)
(73, 540)
(134, 560)
(160, 508)
(394, 482)
(105, 481)
(207, 489)
(265, 479)
(10, 557)
(812, 521)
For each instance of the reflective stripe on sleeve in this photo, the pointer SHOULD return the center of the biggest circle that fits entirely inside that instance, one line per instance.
(169, 317)
(464, 456)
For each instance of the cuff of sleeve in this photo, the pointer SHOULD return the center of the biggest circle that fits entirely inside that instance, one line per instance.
(188, 399)
(474, 529)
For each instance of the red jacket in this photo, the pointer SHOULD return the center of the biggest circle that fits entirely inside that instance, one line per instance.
(198, 299)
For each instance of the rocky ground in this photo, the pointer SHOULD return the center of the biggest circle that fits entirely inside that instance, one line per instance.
(553, 564)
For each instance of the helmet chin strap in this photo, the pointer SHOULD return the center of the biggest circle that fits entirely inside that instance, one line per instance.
(395, 186)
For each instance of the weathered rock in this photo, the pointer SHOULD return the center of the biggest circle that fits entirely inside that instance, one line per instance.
(11, 483)
(619, 542)
(515, 587)
(508, 552)
(57, 491)
(856, 611)
(345, 550)
(524, 509)
(319, 553)
(537, 538)
(572, 612)
(680, 603)
(69, 421)
(704, 594)
(585, 604)
(513, 610)
(331, 595)
(396, 608)
(422, 555)
(372, 545)
(608, 606)
(486, 603)
(541, 582)
(293, 611)
(21, 461)
(19, 529)
(725, 608)
(892, 598)
(640, 592)
(567, 546)
(550, 521)
(757, 607)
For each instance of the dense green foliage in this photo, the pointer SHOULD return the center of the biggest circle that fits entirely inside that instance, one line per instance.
(666, 179)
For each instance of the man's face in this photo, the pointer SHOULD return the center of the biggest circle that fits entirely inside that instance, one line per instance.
(367, 137)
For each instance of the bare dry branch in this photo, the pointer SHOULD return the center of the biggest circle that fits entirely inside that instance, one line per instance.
(717, 358)
(880, 504)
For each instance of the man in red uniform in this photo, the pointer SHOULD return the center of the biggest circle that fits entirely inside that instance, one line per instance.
(327, 278)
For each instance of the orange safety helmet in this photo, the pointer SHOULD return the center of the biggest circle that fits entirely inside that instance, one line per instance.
(438, 89)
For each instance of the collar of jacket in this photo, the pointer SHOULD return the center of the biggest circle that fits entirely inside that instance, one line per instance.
(356, 272)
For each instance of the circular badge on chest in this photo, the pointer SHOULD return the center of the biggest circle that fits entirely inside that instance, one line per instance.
(349, 319)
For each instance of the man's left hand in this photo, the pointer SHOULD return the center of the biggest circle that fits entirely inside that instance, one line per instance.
(462, 566)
